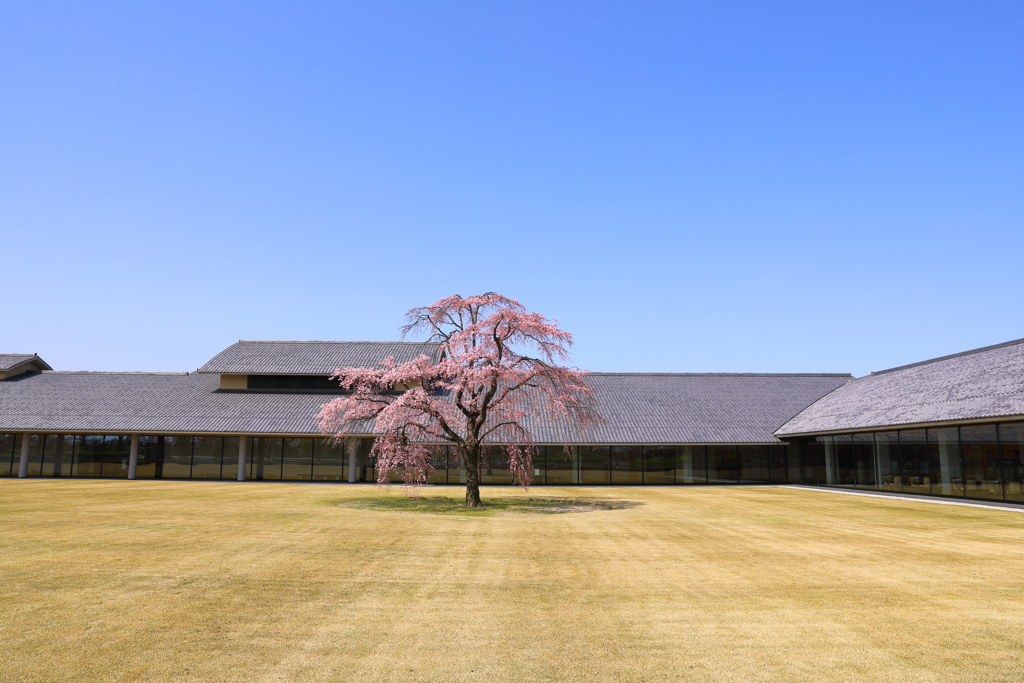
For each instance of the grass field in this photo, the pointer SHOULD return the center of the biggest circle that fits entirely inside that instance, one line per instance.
(180, 581)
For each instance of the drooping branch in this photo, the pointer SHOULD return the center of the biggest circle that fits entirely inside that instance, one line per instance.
(481, 387)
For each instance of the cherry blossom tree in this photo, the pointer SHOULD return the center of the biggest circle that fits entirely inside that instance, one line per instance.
(497, 373)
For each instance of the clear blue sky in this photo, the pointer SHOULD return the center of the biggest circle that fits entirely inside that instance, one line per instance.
(726, 186)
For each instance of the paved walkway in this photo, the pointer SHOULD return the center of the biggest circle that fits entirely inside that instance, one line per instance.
(997, 505)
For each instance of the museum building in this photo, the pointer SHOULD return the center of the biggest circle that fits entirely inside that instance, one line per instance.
(951, 426)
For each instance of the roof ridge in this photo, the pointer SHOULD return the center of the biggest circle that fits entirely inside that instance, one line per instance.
(729, 374)
(327, 341)
(949, 357)
(110, 372)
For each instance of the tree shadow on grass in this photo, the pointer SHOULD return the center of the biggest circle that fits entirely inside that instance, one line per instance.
(444, 505)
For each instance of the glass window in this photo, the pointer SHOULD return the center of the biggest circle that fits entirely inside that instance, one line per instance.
(88, 456)
(150, 452)
(593, 464)
(297, 459)
(829, 459)
(916, 468)
(456, 472)
(229, 465)
(35, 455)
(844, 470)
(439, 459)
(1011, 438)
(754, 463)
(812, 455)
(7, 442)
(330, 461)
(777, 463)
(659, 464)
(887, 461)
(944, 471)
(494, 465)
(626, 464)
(207, 453)
(794, 461)
(864, 460)
(116, 451)
(560, 466)
(177, 462)
(691, 465)
(266, 451)
(58, 450)
(982, 466)
(365, 465)
(722, 465)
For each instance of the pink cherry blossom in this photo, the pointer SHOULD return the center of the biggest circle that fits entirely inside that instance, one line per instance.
(498, 372)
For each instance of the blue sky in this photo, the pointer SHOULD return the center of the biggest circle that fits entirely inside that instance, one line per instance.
(729, 186)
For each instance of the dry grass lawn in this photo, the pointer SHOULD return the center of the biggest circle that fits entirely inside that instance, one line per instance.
(178, 581)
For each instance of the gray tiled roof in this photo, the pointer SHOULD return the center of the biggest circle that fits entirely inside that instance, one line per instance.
(310, 357)
(978, 384)
(640, 408)
(118, 402)
(13, 360)
(696, 407)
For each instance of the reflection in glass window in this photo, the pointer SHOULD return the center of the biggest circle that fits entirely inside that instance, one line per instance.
(207, 453)
(944, 465)
(864, 460)
(494, 465)
(812, 457)
(229, 461)
(297, 463)
(777, 463)
(722, 465)
(844, 467)
(982, 466)
(1011, 438)
(266, 452)
(659, 464)
(88, 456)
(887, 461)
(177, 458)
(626, 464)
(560, 466)
(594, 464)
(916, 466)
(439, 460)
(753, 463)
(150, 450)
(7, 442)
(116, 451)
(691, 465)
(58, 449)
(330, 460)
(35, 455)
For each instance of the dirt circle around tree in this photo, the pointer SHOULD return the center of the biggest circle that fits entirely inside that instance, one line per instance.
(503, 507)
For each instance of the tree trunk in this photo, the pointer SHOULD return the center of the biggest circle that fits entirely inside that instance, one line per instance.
(471, 461)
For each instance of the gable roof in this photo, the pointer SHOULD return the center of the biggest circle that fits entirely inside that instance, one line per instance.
(10, 361)
(250, 357)
(977, 384)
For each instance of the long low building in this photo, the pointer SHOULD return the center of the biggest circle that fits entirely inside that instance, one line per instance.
(951, 426)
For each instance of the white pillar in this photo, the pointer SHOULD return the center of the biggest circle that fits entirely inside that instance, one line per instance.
(241, 457)
(133, 456)
(26, 439)
(352, 462)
